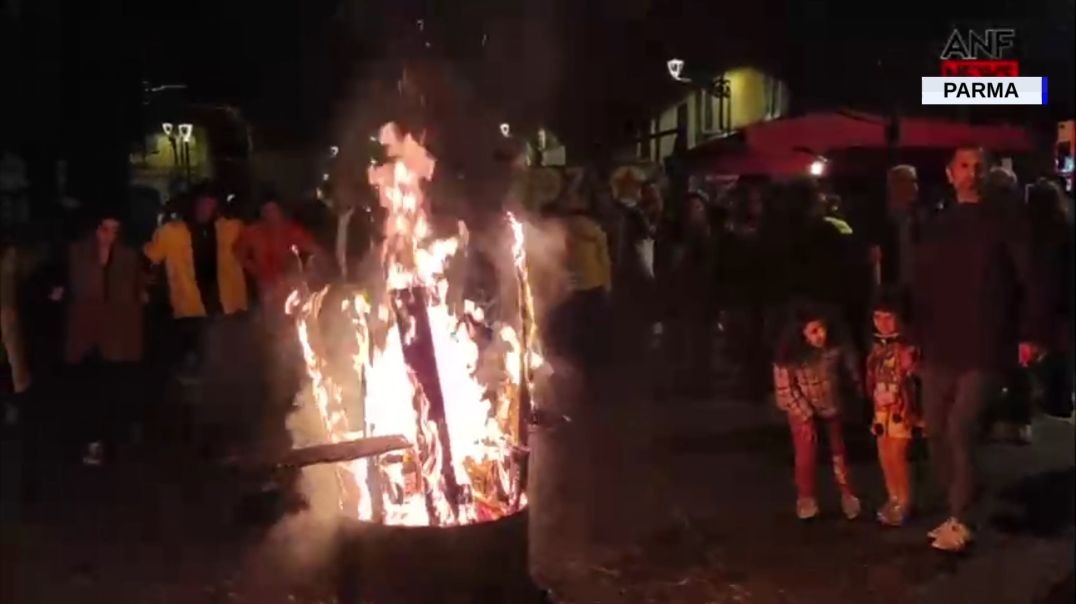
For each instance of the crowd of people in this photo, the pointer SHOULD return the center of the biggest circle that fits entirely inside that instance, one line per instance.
(914, 323)
(933, 320)
(100, 290)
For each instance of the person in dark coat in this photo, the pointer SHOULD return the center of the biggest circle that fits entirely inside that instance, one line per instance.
(744, 283)
(103, 342)
(688, 295)
(975, 298)
(894, 238)
(1052, 255)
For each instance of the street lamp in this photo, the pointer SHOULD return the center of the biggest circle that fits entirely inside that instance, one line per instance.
(186, 132)
(170, 133)
(676, 67)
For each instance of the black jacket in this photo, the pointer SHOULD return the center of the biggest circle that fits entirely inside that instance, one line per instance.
(975, 294)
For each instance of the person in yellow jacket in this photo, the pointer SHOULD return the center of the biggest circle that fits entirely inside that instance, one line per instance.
(588, 253)
(205, 276)
(583, 315)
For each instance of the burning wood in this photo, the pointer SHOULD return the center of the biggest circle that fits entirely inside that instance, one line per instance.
(342, 451)
(417, 363)
(414, 326)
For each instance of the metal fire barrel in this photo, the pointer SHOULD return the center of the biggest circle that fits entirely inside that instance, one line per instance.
(477, 563)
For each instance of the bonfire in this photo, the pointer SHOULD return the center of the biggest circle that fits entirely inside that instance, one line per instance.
(428, 368)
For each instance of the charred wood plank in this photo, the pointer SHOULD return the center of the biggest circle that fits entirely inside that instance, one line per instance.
(343, 451)
(414, 326)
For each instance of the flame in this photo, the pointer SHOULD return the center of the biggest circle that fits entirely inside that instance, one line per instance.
(467, 461)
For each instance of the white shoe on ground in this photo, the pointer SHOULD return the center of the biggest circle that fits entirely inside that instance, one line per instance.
(95, 453)
(933, 534)
(806, 508)
(955, 537)
(851, 506)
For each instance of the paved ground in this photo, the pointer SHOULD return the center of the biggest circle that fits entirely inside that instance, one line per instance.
(632, 501)
(696, 506)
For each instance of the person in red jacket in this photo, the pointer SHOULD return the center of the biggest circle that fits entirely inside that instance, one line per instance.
(268, 250)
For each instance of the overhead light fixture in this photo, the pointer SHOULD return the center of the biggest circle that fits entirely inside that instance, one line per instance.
(506, 130)
(167, 127)
(676, 67)
(817, 167)
(185, 132)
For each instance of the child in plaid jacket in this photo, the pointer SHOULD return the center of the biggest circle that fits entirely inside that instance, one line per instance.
(809, 375)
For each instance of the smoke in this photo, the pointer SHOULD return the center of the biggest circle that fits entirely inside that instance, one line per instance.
(298, 553)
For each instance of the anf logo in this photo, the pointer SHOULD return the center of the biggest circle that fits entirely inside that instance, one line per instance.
(980, 53)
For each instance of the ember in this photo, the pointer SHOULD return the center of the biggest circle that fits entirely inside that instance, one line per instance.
(417, 348)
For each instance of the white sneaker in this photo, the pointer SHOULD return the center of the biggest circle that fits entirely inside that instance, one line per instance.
(893, 513)
(806, 508)
(955, 538)
(941, 528)
(851, 506)
(95, 454)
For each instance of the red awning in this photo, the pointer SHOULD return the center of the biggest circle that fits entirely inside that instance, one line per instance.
(819, 132)
(752, 162)
(826, 132)
(784, 147)
(932, 133)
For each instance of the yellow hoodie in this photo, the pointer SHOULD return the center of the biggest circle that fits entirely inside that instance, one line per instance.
(171, 244)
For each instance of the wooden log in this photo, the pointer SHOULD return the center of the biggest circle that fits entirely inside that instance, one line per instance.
(343, 451)
(419, 354)
(526, 320)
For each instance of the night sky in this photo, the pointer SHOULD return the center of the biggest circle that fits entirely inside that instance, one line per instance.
(585, 68)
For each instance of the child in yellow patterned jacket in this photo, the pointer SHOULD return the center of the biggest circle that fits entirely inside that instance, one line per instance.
(897, 418)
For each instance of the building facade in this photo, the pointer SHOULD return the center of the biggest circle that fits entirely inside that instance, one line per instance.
(737, 98)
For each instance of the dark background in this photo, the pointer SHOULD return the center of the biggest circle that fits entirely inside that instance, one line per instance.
(73, 70)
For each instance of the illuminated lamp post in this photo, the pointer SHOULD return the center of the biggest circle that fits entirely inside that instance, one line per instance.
(186, 135)
(170, 133)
